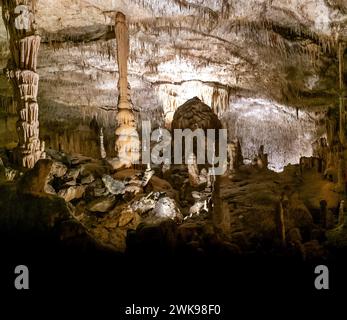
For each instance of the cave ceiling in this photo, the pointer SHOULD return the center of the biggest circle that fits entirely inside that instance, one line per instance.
(280, 50)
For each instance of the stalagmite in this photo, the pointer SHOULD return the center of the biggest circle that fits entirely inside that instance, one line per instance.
(193, 171)
(342, 122)
(127, 138)
(341, 89)
(262, 158)
(102, 144)
(231, 155)
(282, 225)
(341, 218)
(147, 175)
(24, 47)
(281, 219)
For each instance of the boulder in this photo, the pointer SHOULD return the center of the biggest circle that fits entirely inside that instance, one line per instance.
(143, 205)
(113, 186)
(96, 168)
(37, 222)
(160, 185)
(49, 189)
(88, 179)
(126, 173)
(134, 189)
(79, 210)
(166, 208)
(77, 159)
(57, 156)
(99, 192)
(128, 216)
(72, 174)
(58, 169)
(72, 193)
(118, 239)
(103, 204)
(35, 180)
(70, 183)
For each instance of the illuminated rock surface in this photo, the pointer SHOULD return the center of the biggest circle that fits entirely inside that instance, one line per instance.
(271, 72)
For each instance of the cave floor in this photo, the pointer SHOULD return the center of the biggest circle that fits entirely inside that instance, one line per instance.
(253, 196)
(249, 206)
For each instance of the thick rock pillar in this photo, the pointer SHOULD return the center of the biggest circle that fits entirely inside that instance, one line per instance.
(19, 19)
(127, 138)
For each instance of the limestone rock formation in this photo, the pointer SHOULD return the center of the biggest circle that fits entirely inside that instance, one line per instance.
(72, 193)
(35, 180)
(113, 186)
(24, 47)
(127, 140)
(103, 204)
(195, 114)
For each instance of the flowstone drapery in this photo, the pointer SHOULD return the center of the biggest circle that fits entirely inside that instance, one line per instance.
(21, 70)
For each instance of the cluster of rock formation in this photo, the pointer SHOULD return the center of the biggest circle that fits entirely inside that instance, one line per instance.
(24, 46)
(329, 156)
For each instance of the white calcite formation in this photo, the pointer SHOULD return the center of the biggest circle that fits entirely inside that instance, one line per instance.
(102, 145)
(166, 208)
(147, 176)
(127, 139)
(144, 205)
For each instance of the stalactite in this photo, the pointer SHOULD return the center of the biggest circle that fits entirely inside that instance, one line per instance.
(24, 47)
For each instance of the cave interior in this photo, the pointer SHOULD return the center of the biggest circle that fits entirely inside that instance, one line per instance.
(89, 86)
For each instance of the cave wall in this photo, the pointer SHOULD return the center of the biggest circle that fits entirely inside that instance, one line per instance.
(286, 133)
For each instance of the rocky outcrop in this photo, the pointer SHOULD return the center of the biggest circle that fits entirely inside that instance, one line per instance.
(38, 222)
(34, 181)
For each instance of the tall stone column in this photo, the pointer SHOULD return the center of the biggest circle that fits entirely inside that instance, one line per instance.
(342, 136)
(127, 138)
(19, 19)
(342, 122)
